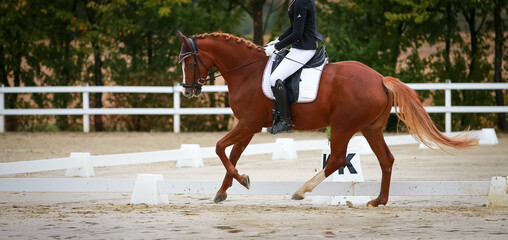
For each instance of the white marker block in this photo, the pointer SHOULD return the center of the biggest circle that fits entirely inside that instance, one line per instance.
(287, 149)
(498, 192)
(146, 190)
(86, 169)
(360, 144)
(488, 137)
(194, 159)
(352, 172)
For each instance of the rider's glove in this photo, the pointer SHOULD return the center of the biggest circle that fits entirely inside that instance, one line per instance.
(273, 42)
(270, 50)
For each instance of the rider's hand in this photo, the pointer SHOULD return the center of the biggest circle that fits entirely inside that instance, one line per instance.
(273, 42)
(270, 50)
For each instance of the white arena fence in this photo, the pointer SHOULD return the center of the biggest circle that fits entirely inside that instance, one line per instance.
(192, 155)
(177, 110)
(155, 190)
(116, 185)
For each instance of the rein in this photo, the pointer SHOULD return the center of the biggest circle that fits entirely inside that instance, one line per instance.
(211, 74)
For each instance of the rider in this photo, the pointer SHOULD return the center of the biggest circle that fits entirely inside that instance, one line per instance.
(302, 36)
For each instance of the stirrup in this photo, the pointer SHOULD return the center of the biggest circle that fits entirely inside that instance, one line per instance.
(282, 126)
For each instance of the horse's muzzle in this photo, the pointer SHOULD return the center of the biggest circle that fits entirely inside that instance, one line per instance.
(191, 92)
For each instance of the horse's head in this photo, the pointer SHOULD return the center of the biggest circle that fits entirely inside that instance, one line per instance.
(194, 68)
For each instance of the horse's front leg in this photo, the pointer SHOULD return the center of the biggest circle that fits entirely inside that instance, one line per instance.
(236, 152)
(236, 136)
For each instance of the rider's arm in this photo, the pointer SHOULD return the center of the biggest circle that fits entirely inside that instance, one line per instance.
(286, 33)
(296, 30)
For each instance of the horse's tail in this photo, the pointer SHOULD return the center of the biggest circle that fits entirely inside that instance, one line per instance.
(411, 112)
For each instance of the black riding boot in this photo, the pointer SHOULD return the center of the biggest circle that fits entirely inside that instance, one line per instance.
(281, 117)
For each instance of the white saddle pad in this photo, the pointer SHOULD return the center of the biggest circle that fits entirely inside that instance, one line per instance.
(308, 86)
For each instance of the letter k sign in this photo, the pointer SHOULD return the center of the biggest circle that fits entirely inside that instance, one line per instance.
(349, 165)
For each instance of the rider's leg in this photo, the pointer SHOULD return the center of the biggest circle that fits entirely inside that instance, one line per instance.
(293, 61)
(281, 108)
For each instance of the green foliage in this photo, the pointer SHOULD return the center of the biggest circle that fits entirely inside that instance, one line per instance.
(358, 30)
(418, 41)
(134, 43)
(152, 47)
(58, 43)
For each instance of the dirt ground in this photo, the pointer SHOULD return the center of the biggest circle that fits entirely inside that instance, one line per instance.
(109, 216)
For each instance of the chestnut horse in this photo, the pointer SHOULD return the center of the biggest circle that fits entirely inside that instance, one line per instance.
(352, 97)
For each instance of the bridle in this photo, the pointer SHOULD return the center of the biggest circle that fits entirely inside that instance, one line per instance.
(198, 81)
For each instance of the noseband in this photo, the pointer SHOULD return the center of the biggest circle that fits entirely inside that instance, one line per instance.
(198, 81)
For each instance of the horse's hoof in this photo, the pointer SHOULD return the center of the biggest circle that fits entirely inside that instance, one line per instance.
(245, 181)
(373, 203)
(219, 198)
(298, 196)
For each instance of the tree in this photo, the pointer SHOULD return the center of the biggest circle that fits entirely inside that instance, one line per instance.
(60, 55)
(99, 42)
(99, 22)
(389, 35)
(367, 31)
(148, 56)
(280, 22)
(359, 30)
(261, 12)
(498, 59)
(19, 34)
(475, 14)
(255, 10)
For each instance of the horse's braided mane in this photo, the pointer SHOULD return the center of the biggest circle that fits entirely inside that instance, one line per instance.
(228, 36)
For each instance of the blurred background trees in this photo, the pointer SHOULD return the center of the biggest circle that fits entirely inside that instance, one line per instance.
(134, 43)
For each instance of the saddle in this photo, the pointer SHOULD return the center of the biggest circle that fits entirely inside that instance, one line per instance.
(292, 83)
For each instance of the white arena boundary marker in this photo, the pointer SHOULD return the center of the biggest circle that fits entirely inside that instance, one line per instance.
(193, 160)
(496, 187)
(285, 149)
(86, 169)
(146, 190)
(498, 192)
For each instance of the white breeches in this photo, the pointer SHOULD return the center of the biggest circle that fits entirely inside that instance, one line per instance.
(295, 60)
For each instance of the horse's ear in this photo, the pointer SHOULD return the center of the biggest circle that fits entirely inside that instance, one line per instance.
(184, 40)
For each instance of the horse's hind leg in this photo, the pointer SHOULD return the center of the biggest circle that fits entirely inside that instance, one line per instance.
(233, 157)
(338, 143)
(378, 145)
(309, 185)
